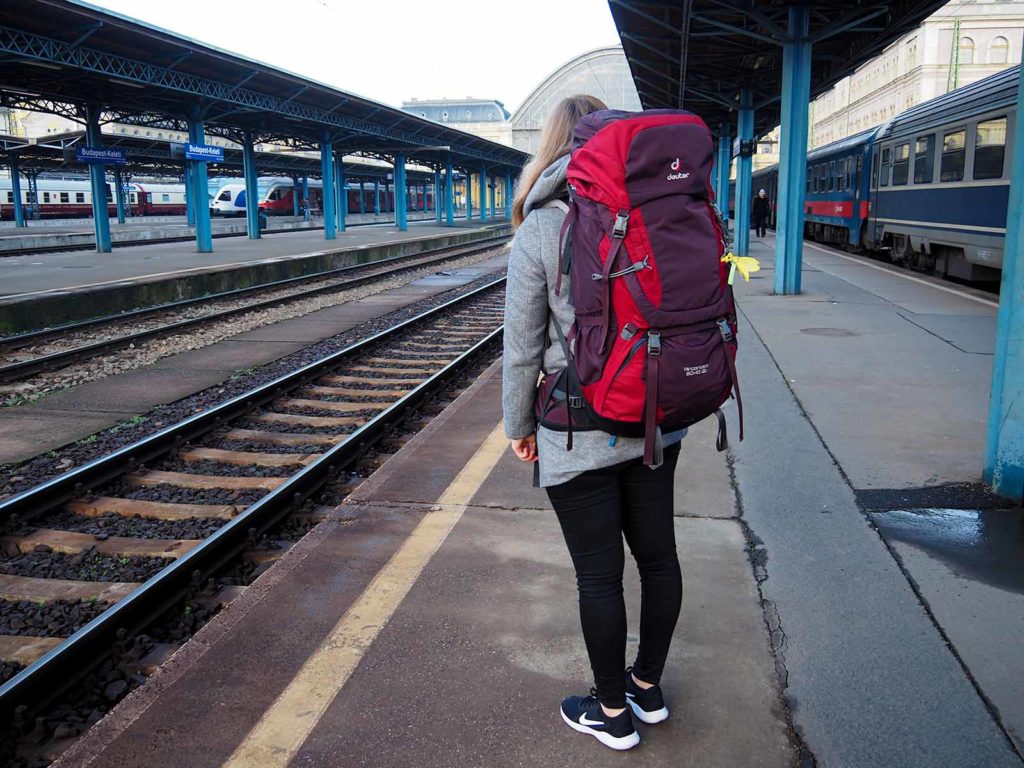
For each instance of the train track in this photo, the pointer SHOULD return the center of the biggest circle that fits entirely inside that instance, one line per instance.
(36, 352)
(234, 471)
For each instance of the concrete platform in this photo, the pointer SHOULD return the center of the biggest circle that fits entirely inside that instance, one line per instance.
(77, 412)
(449, 578)
(50, 289)
(79, 232)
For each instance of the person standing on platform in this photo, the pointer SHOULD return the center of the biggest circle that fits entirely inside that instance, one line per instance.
(760, 212)
(601, 489)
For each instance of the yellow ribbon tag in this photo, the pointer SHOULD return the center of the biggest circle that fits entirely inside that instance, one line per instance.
(745, 265)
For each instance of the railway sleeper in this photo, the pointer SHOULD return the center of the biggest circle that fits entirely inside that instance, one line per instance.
(14, 588)
(71, 543)
(153, 510)
(204, 482)
(247, 458)
(280, 438)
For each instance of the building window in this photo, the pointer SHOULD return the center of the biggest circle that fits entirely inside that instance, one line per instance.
(901, 165)
(65, 197)
(79, 197)
(954, 150)
(990, 149)
(999, 51)
(924, 160)
(886, 154)
(966, 50)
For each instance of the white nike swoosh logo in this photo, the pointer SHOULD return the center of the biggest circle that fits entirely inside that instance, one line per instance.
(584, 720)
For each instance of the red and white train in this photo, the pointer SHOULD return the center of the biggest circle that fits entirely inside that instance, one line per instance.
(72, 198)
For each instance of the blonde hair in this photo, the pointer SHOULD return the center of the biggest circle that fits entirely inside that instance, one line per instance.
(555, 141)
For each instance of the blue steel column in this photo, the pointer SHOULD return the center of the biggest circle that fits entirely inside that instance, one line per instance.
(19, 211)
(327, 176)
(469, 195)
(449, 194)
(200, 189)
(437, 195)
(1004, 449)
(98, 180)
(296, 192)
(724, 165)
(362, 197)
(190, 208)
(508, 197)
(483, 193)
(492, 191)
(796, 94)
(119, 195)
(744, 168)
(400, 194)
(376, 197)
(252, 202)
(340, 192)
(305, 194)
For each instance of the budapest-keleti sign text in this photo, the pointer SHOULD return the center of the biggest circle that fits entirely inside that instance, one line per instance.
(192, 151)
(100, 155)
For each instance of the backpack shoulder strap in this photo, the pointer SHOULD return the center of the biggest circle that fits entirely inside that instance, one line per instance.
(564, 240)
(556, 203)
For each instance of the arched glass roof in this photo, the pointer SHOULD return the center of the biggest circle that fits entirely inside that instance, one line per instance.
(603, 73)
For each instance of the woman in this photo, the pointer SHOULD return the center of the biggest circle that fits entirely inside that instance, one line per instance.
(600, 490)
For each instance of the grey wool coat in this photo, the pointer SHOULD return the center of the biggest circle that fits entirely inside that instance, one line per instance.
(532, 347)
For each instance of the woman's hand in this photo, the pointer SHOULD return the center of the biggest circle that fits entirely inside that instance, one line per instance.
(526, 448)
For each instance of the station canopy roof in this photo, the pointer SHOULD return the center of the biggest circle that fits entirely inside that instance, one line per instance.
(55, 55)
(54, 153)
(699, 54)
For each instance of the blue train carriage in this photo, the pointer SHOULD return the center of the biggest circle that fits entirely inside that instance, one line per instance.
(836, 196)
(940, 181)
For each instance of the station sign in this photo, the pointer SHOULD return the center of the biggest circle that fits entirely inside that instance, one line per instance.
(106, 155)
(205, 152)
(190, 151)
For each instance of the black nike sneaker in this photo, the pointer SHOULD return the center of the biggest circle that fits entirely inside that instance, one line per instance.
(584, 714)
(647, 703)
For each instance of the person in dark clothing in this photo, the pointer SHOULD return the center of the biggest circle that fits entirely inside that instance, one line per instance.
(760, 213)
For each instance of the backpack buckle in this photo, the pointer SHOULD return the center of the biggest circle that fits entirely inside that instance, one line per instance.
(653, 344)
(723, 326)
(621, 222)
(575, 401)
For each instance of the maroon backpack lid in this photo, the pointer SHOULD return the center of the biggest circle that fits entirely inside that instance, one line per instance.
(592, 123)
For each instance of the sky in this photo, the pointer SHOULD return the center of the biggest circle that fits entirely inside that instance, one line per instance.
(394, 50)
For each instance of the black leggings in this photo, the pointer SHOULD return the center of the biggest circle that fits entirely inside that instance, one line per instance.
(595, 509)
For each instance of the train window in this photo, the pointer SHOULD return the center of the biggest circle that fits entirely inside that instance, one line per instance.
(924, 159)
(274, 195)
(831, 176)
(165, 198)
(225, 196)
(874, 172)
(886, 154)
(46, 197)
(79, 197)
(110, 194)
(953, 152)
(65, 197)
(900, 164)
(809, 180)
(10, 197)
(990, 149)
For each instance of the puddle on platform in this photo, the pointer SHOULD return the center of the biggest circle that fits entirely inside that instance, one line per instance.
(980, 545)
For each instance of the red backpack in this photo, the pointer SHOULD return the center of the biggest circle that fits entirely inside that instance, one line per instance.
(654, 341)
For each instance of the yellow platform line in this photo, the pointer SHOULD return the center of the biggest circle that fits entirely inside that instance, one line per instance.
(286, 725)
